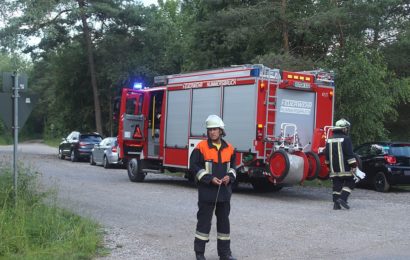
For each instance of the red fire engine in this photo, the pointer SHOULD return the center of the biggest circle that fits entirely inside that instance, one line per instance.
(273, 118)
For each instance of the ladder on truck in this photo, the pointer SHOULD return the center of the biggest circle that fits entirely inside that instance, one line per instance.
(273, 77)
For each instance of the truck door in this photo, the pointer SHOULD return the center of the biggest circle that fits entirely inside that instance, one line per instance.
(154, 125)
(131, 126)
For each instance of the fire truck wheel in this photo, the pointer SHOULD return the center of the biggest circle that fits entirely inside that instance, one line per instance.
(324, 170)
(314, 165)
(134, 171)
(279, 165)
(263, 185)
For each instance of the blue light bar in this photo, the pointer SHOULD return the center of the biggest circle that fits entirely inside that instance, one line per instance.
(137, 85)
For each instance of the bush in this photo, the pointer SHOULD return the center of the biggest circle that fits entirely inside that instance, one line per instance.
(33, 227)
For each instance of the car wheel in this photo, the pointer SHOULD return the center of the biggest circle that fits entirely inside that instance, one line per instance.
(380, 182)
(134, 171)
(92, 162)
(106, 163)
(73, 157)
(60, 154)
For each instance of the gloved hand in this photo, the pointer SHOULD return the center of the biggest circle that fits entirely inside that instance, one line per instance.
(358, 174)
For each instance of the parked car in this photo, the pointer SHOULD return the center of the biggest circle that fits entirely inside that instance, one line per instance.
(385, 164)
(105, 153)
(78, 145)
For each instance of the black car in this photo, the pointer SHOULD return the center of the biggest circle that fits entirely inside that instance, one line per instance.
(385, 164)
(78, 145)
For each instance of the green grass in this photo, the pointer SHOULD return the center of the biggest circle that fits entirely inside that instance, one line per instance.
(35, 228)
(52, 142)
(5, 139)
(318, 183)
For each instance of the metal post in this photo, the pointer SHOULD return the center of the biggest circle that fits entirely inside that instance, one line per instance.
(15, 131)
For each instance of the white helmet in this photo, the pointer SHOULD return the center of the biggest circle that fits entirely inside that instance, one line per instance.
(214, 121)
(342, 123)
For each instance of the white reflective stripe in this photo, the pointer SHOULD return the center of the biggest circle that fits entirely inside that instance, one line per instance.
(337, 193)
(341, 159)
(208, 166)
(350, 161)
(347, 189)
(228, 165)
(231, 170)
(340, 174)
(335, 140)
(331, 158)
(201, 237)
(201, 174)
(222, 236)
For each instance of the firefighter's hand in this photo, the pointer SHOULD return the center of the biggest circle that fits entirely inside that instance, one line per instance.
(216, 181)
(226, 180)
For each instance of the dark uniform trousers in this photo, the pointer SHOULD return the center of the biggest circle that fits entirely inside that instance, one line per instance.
(342, 187)
(203, 227)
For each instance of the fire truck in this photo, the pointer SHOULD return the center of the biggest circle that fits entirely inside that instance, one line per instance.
(275, 119)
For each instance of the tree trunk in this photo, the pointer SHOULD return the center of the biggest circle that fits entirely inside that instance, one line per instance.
(87, 37)
(285, 33)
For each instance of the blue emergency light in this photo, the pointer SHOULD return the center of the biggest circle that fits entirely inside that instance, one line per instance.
(137, 85)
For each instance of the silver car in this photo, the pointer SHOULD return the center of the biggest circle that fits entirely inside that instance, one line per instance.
(105, 153)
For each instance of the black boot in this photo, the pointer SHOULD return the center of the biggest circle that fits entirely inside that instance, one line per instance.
(229, 257)
(336, 206)
(200, 256)
(343, 203)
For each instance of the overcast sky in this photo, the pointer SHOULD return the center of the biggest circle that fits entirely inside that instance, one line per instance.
(149, 2)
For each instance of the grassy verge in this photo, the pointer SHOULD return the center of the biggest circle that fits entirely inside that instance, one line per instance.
(33, 229)
(318, 183)
(52, 142)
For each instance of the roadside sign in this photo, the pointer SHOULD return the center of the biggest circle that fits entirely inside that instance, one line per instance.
(25, 106)
(8, 82)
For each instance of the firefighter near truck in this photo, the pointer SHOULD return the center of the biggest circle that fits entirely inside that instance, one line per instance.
(275, 119)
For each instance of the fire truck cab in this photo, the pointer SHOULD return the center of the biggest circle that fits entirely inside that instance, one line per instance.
(273, 119)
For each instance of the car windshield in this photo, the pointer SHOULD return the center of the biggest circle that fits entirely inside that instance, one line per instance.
(400, 150)
(91, 138)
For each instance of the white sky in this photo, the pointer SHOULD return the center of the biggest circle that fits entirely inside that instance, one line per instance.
(149, 2)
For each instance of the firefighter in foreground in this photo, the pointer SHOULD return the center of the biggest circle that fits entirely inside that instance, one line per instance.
(213, 163)
(342, 164)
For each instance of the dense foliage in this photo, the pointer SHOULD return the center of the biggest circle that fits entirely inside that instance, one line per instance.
(91, 48)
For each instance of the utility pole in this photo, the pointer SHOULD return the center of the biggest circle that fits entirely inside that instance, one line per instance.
(15, 132)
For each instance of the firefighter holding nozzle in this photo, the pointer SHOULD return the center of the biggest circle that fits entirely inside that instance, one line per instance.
(213, 163)
(342, 164)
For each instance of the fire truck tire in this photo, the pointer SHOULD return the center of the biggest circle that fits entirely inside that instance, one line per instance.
(190, 176)
(314, 165)
(279, 165)
(263, 185)
(134, 170)
(324, 170)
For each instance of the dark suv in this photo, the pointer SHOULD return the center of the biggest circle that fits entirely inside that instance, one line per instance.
(385, 164)
(78, 145)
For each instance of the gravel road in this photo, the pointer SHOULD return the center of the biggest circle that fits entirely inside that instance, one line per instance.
(156, 219)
